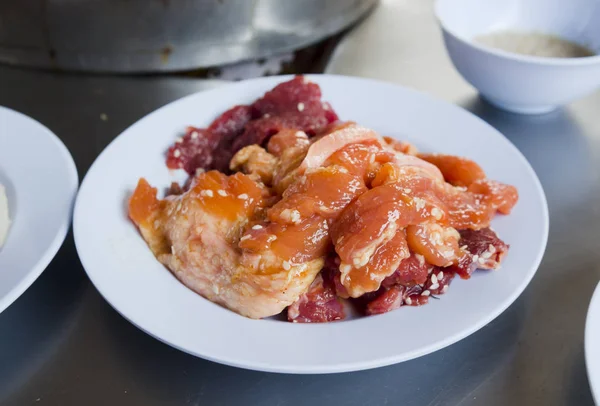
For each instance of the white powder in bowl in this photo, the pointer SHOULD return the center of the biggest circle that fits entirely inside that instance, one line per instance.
(534, 44)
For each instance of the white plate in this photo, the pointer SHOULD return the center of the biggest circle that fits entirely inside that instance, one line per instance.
(41, 182)
(125, 272)
(592, 344)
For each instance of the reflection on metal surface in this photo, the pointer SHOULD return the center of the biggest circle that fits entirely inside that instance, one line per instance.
(153, 35)
(35, 328)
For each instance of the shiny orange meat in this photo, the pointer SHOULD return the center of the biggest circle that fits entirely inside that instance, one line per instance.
(394, 225)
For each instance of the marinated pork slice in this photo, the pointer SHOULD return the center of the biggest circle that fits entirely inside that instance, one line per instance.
(409, 206)
(226, 239)
(196, 236)
(457, 170)
(286, 140)
(401, 146)
(256, 162)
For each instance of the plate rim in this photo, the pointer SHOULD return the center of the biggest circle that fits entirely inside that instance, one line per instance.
(349, 366)
(61, 233)
(593, 376)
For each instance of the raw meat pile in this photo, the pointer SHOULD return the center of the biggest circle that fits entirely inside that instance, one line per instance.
(289, 208)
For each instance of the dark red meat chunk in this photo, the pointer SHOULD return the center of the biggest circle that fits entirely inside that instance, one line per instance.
(193, 150)
(331, 270)
(293, 104)
(411, 271)
(487, 249)
(482, 249)
(231, 123)
(299, 97)
(226, 128)
(389, 299)
(438, 281)
(318, 305)
(414, 296)
(465, 266)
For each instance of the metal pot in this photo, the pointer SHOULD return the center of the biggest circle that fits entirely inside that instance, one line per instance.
(163, 35)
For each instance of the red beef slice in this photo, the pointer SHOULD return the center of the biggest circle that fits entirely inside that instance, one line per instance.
(319, 304)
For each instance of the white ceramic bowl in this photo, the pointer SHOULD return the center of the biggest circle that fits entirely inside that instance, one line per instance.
(521, 83)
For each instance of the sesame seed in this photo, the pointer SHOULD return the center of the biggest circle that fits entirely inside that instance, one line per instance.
(172, 249)
(266, 115)
(208, 193)
(434, 279)
(434, 286)
(486, 255)
(408, 301)
(491, 249)
(295, 216)
(286, 265)
(177, 153)
(481, 260)
(245, 237)
(436, 213)
(464, 247)
(407, 190)
(300, 106)
(257, 227)
(420, 258)
(440, 275)
(475, 258)
(221, 192)
(420, 203)
(445, 288)
(300, 134)
(271, 238)
(243, 196)
(325, 106)
(425, 293)
(345, 268)
(195, 135)
(179, 140)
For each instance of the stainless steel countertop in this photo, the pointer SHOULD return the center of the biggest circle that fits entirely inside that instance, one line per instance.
(62, 344)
